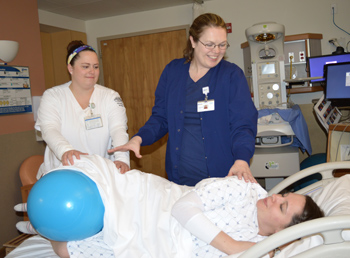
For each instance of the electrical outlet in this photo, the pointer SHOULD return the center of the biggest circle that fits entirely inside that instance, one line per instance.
(334, 8)
(345, 152)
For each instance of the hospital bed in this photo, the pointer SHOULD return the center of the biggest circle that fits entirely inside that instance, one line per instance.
(325, 237)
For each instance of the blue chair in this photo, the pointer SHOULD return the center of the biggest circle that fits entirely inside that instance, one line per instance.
(313, 160)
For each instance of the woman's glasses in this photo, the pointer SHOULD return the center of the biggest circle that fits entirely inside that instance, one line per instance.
(211, 46)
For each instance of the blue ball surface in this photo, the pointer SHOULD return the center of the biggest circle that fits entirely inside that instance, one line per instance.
(65, 205)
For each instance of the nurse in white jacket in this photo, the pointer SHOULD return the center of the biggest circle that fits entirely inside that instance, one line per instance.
(81, 117)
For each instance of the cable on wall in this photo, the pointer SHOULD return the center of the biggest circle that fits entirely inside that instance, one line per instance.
(337, 25)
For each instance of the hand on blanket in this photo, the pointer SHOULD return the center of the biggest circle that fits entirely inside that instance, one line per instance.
(228, 245)
(241, 169)
(67, 157)
(122, 166)
(133, 145)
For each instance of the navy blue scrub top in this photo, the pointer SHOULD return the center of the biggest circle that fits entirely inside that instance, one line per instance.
(193, 164)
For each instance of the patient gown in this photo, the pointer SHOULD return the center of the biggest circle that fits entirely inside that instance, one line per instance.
(138, 220)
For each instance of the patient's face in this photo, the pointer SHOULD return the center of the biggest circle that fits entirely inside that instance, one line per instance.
(276, 212)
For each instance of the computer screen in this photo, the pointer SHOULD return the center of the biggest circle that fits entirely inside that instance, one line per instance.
(337, 83)
(316, 64)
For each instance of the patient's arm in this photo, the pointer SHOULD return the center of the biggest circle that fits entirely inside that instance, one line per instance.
(228, 245)
(189, 212)
(60, 248)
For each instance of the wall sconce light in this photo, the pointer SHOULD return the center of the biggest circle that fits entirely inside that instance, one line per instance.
(8, 50)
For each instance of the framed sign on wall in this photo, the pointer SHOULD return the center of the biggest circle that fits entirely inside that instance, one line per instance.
(15, 92)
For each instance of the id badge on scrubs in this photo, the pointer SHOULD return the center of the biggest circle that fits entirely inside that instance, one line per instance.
(93, 122)
(205, 105)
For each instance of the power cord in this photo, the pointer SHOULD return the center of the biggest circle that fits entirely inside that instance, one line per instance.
(337, 25)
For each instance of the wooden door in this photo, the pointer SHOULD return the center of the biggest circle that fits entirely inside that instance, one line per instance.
(54, 49)
(132, 66)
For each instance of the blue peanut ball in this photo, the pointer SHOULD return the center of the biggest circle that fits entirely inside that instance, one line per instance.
(65, 205)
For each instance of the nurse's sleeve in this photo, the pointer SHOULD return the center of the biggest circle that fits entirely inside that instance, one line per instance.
(243, 118)
(117, 121)
(49, 123)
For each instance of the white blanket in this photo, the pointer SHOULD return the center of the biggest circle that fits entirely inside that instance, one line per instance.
(138, 221)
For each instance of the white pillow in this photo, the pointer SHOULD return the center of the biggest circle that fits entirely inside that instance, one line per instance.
(334, 198)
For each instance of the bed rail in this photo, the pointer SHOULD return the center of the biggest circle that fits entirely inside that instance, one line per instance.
(329, 227)
(325, 169)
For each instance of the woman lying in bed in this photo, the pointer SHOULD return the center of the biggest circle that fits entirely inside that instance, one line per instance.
(224, 215)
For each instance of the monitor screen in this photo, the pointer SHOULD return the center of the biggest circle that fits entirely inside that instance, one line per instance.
(316, 64)
(268, 69)
(337, 77)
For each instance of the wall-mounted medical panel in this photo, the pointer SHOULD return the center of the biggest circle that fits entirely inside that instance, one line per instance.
(297, 48)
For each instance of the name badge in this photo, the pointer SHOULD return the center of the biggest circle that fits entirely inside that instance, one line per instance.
(206, 105)
(93, 122)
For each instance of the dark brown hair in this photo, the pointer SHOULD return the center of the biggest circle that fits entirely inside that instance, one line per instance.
(73, 45)
(311, 211)
(197, 28)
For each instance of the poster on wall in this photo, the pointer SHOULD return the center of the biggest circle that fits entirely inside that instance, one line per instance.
(15, 94)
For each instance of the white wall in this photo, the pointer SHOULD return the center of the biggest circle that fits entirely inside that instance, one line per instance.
(61, 21)
(138, 22)
(298, 16)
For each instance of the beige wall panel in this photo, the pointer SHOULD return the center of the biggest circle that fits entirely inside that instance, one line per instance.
(15, 149)
(54, 47)
(132, 66)
(47, 59)
(77, 35)
(60, 40)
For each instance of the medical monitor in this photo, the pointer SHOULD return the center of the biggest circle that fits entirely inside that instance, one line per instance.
(317, 63)
(337, 83)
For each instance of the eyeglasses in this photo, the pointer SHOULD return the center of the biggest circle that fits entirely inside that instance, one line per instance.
(211, 46)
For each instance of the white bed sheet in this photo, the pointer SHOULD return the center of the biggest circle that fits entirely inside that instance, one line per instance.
(333, 199)
(34, 247)
(145, 228)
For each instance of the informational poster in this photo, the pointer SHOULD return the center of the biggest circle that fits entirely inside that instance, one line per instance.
(15, 94)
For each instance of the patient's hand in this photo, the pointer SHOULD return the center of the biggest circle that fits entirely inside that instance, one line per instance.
(228, 245)
(67, 157)
(122, 166)
(241, 169)
(133, 145)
